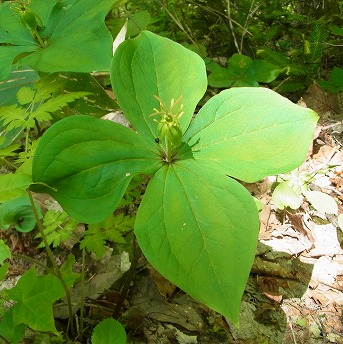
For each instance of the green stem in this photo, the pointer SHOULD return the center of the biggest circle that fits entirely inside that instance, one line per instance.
(36, 262)
(9, 163)
(169, 150)
(4, 339)
(82, 295)
(58, 273)
(40, 41)
(129, 277)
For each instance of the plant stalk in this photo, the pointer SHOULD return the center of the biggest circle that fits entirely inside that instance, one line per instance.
(82, 306)
(9, 163)
(58, 273)
(169, 150)
(36, 262)
(129, 277)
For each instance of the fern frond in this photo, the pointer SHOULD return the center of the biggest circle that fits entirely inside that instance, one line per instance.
(317, 38)
(28, 153)
(9, 151)
(111, 229)
(95, 244)
(294, 69)
(58, 227)
(13, 116)
(273, 57)
(47, 86)
(290, 86)
(42, 113)
(25, 95)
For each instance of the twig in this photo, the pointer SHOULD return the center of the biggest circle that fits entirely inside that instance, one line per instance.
(231, 26)
(178, 23)
(58, 273)
(36, 262)
(292, 331)
(332, 125)
(245, 28)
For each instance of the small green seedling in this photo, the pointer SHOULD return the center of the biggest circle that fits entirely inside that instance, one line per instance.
(196, 224)
(242, 71)
(293, 188)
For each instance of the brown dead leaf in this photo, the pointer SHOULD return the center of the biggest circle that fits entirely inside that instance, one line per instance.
(165, 287)
(269, 287)
(297, 223)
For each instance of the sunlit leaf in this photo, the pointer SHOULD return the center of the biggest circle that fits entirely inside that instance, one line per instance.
(87, 164)
(141, 69)
(322, 201)
(199, 229)
(284, 196)
(251, 132)
(340, 221)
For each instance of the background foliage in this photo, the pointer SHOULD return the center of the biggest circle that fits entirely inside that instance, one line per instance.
(303, 38)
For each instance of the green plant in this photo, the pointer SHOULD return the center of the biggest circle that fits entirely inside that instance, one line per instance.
(242, 71)
(18, 212)
(293, 187)
(196, 225)
(55, 36)
(33, 296)
(335, 83)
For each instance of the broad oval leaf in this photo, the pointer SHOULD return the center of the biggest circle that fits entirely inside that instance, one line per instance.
(250, 133)
(109, 331)
(322, 201)
(199, 229)
(86, 164)
(18, 213)
(284, 196)
(148, 66)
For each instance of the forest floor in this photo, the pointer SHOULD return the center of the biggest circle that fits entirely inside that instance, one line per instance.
(295, 290)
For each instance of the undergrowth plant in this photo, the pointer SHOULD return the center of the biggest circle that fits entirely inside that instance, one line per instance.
(292, 188)
(196, 224)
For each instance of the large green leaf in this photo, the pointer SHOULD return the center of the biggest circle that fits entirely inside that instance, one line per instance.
(250, 133)
(74, 34)
(87, 164)
(148, 66)
(199, 229)
(34, 296)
